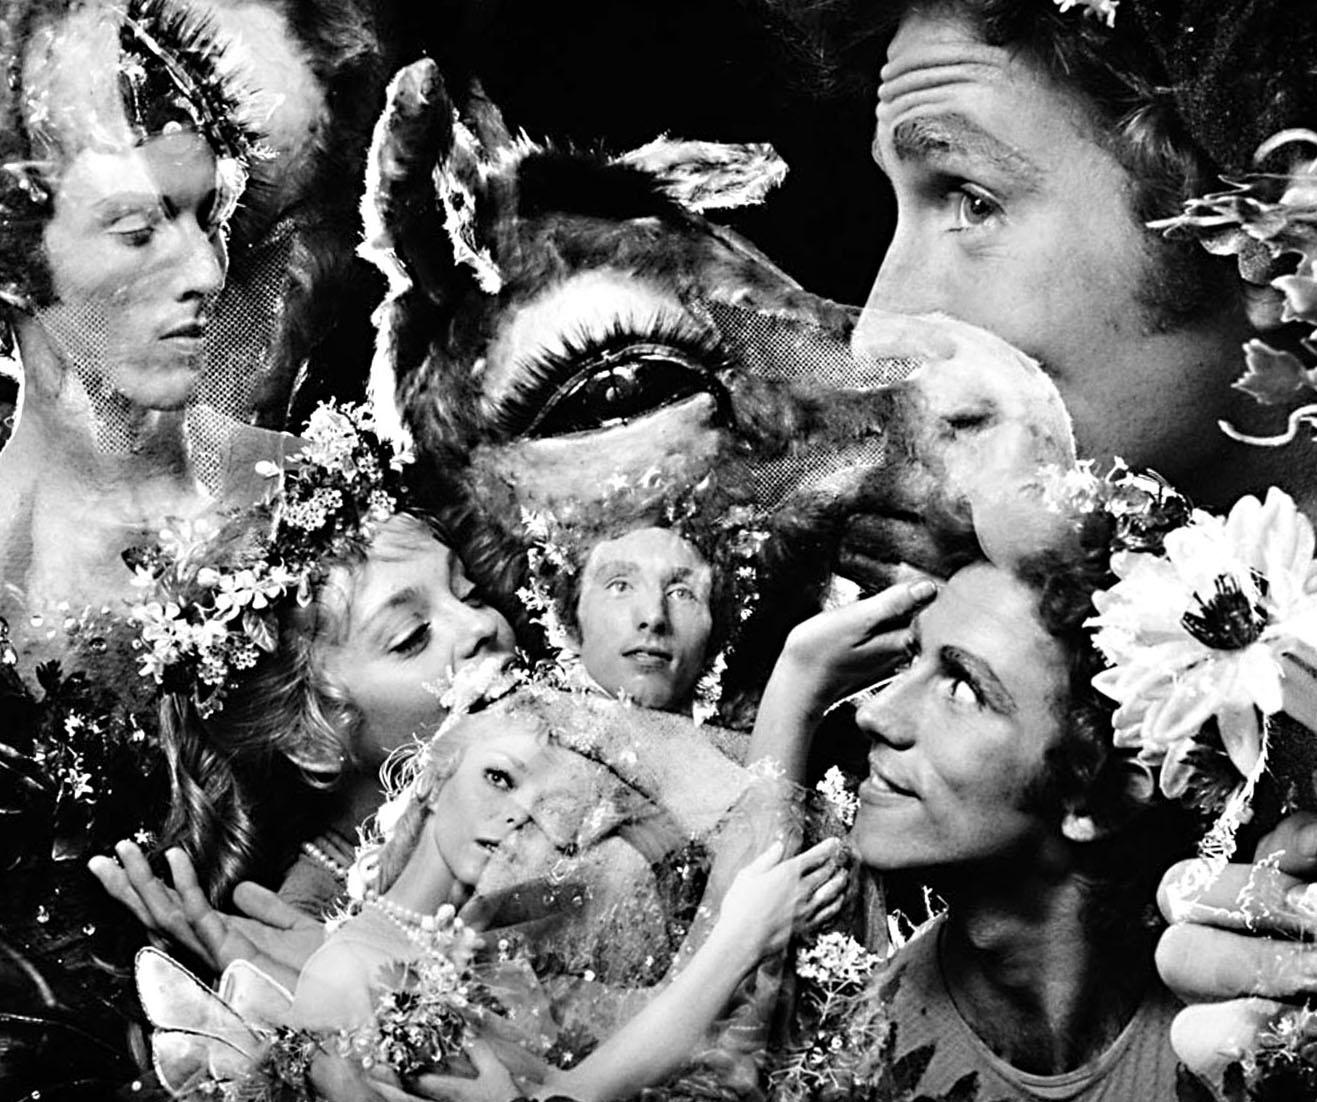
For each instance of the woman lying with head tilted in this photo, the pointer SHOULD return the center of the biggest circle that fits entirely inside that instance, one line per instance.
(471, 789)
(295, 650)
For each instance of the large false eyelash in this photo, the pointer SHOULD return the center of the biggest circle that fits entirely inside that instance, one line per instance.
(547, 378)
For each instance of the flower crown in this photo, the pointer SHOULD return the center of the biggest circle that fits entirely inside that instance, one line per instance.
(214, 602)
(733, 535)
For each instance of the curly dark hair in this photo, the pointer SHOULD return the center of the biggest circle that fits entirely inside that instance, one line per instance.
(1140, 834)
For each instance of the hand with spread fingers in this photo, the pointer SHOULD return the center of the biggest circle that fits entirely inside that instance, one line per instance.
(770, 899)
(1242, 945)
(274, 936)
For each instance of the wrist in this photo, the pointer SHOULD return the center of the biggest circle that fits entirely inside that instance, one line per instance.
(729, 942)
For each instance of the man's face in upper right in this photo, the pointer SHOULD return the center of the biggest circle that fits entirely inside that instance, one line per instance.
(1012, 215)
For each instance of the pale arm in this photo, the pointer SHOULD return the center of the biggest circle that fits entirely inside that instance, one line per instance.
(767, 900)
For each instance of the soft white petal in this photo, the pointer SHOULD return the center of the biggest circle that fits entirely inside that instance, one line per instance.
(1242, 737)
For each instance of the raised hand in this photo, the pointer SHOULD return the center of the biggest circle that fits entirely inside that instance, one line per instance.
(274, 936)
(1236, 949)
(827, 658)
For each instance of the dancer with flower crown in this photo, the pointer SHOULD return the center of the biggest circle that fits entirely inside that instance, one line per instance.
(295, 649)
(999, 774)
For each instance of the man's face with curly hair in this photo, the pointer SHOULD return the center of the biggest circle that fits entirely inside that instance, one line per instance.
(644, 617)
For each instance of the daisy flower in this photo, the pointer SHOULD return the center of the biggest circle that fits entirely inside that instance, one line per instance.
(1199, 632)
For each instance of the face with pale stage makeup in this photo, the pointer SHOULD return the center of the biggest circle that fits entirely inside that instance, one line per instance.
(407, 619)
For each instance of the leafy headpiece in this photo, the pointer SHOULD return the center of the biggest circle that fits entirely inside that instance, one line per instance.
(214, 604)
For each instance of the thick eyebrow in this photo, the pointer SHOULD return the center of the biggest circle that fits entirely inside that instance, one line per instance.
(943, 137)
(980, 673)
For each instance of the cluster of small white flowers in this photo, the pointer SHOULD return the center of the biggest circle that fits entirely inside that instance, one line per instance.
(68, 768)
(836, 960)
(310, 515)
(834, 789)
(709, 689)
(254, 587)
(381, 506)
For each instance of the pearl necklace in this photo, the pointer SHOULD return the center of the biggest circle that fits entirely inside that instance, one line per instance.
(336, 868)
(419, 927)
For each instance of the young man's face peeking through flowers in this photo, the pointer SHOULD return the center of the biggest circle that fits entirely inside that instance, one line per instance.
(644, 617)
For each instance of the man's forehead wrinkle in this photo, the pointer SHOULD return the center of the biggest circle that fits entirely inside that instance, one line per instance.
(954, 58)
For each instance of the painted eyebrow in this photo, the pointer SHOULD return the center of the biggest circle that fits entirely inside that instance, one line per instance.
(978, 671)
(400, 598)
(932, 138)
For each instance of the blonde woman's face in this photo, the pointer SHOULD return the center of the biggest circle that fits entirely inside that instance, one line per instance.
(491, 794)
(411, 619)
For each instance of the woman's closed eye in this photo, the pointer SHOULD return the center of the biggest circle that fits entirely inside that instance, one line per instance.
(412, 640)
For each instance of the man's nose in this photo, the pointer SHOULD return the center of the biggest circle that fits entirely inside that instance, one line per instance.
(202, 259)
(650, 609)
(906, 284)
(888, 718)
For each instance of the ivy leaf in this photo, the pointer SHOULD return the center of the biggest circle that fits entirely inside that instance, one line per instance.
(259, 630)
(1272, 377)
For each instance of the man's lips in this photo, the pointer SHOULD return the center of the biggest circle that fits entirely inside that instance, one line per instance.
(191, 330)
(648, 657)
(879, 788)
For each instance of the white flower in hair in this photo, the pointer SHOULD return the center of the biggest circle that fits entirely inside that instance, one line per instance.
(1200, 632)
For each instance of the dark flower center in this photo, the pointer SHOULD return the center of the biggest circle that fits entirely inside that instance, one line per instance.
(1229, 619)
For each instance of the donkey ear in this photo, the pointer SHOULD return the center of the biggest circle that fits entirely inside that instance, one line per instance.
(710, 175)
(483, 116)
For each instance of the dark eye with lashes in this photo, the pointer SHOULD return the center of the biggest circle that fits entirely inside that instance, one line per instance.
(598, 383)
